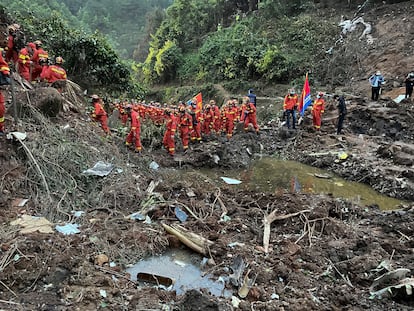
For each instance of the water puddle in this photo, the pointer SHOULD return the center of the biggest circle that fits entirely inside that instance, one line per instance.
(270, 175)
(180, 266)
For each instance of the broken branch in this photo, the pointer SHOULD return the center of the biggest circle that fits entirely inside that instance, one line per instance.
(271, 218)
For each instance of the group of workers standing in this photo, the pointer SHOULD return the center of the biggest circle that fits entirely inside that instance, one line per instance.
(291, 107)
(191, 121)
(31, 62)
(377, 80)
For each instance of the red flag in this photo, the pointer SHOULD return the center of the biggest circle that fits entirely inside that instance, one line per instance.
(199, 101)
(305, 98)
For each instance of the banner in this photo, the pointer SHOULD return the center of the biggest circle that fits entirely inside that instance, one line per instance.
(305, 98)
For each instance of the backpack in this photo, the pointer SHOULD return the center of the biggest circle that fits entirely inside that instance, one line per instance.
(19, 40)
(4, 80)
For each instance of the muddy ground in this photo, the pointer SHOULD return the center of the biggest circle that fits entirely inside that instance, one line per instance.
(323, 256)
(324, 253)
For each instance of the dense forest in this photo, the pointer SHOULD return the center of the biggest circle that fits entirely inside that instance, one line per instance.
(129, 44)
(122, 22)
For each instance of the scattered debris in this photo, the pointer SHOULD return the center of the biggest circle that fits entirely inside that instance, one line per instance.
(68, 229)
(237, 268)
(246, 285)
(192, 240)
(268, 221)
(100, 169)
(154, 166)
(180, 214)
(101, 259)
(155, 279)
(32, 224)
(231, 181)
(19, 202)
(391, 282)
(16, 136)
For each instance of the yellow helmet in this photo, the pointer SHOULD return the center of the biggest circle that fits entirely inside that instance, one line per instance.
(59, 60)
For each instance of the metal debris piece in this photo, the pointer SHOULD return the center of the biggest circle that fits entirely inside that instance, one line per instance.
(100, 169)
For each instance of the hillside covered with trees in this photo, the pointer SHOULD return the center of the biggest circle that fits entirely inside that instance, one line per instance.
(130, 46)
(122, 22)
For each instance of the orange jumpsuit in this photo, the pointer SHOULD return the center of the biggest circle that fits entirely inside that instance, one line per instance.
(37, 56)
(101, 116)
(317, 109)
(135, 132)
(25, 63)
(242, 110)
(217, 119)
(250, 117)
(290, 105)
(11, 53)
(4, 68)
(53, 73)
(197, 120)
(208, 121)
(229, 116)
(170, 129)
(186, 126)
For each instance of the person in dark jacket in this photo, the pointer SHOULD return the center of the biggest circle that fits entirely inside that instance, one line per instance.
(376, 80)
(409, 85)
(341, 105)
(252, 96)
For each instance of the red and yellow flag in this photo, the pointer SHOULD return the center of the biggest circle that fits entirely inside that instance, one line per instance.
(199, 101)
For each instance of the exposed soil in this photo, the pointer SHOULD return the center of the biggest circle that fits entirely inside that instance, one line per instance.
(323, 251)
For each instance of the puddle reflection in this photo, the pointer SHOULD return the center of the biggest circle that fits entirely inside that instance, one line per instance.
(272, 175)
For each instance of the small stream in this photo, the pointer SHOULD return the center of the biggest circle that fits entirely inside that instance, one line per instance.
(270, 175)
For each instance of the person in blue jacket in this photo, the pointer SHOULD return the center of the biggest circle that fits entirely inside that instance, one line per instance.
(252, 96)
(376, 80)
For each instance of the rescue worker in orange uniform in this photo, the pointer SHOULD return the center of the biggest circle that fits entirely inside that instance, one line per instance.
(12, 54)
(134, 135)
(197, 115)
(54, 72)
(99, 114)
(217, 119)
(170, 129)
(5, 70)
(123, 112)
(38, 55)
(228, 117)
(185, 123)
(250, 115)
(24, 61)
(318, 108)
(290, 105)
(208, 122)
(242, 110)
